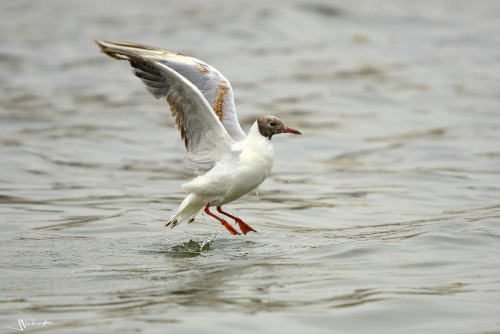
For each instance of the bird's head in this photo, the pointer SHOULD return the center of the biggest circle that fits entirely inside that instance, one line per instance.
(270, 125)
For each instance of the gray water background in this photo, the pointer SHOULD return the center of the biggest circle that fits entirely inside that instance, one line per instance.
(383, 217)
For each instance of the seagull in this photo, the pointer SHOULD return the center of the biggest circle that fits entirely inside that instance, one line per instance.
(228, 162)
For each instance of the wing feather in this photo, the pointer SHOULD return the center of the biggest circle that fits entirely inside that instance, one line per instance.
(212, 84)
(204, 136)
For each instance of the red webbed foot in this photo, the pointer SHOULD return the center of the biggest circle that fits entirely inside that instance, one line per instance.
(222, 221)
(244, 227)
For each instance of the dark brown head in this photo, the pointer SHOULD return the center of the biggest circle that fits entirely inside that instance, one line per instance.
(270, 125)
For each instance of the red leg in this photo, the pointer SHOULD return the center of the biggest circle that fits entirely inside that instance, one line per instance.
(244, 227)
(223, 222)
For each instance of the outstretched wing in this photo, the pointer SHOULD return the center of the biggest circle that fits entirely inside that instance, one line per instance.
(212, 84)
(205, 138)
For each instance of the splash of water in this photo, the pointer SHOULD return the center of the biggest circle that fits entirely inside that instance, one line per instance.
(205, 244)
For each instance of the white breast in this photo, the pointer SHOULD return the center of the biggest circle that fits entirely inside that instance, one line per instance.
(238, 174)
(255, 163)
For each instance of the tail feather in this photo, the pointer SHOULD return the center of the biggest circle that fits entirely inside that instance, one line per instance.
(188, 210)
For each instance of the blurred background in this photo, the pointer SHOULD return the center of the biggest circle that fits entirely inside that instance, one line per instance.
(382, 217)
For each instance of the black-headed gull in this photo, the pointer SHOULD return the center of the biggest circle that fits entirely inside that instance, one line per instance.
(229, 163)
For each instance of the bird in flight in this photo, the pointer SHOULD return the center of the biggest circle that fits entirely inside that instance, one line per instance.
(229, 163)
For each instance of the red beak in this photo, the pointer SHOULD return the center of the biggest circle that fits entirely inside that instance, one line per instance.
(290, 130)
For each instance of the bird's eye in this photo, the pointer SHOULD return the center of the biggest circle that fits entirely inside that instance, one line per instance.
(272, 123)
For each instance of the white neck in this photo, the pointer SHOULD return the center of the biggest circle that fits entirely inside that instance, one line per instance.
(254, 131)
(257, 151)
(258, 142)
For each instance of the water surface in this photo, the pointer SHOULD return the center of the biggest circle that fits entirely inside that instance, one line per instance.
(383, 217)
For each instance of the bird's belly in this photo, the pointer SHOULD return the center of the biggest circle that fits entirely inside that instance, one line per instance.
(252, 172)
(230, 180)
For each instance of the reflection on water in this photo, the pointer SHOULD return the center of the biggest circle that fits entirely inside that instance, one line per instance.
(382, 216)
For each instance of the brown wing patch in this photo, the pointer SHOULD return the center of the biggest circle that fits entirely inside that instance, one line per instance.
(176, 111)
(219, 100)
(202, 68)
